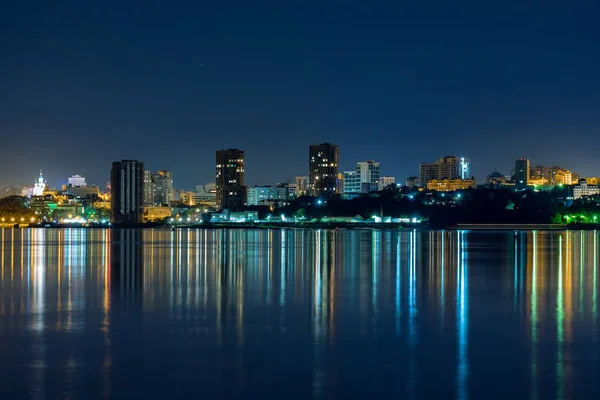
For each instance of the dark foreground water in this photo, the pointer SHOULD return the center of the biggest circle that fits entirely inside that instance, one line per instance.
(298, 314)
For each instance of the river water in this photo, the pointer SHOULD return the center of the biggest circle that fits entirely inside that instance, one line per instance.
(298, 314)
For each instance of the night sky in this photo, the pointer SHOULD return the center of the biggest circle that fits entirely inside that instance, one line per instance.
(84, 83)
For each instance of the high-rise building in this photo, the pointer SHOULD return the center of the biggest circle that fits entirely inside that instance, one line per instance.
(127, 186)
(464, 168)
(364, 179)
(369, 175)
(162, 185)
(231, 192)
(302, 185)
(323, 169)
(445, 168)
(148, 188)
(76, 181)
(386, 181)
(522, 171)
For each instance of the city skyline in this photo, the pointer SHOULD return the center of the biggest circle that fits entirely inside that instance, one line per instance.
(399, 83)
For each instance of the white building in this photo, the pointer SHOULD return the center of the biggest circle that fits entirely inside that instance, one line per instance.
(76, 181)
(582, 189)
(256, 194)
(369, 175)
(39, 186)
(386, 181)
(464, 166)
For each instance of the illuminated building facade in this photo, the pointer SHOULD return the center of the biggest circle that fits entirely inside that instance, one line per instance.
(386, 181)
(445, 168)
(465, 168)
(450, 185)
(127, 196)
(323, 169)
(76, 181)
(39, 186)
(583, 189)
(230, 189)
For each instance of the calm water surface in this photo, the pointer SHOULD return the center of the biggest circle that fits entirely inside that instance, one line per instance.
(298, 314)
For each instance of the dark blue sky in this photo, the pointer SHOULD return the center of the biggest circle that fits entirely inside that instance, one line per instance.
(84, 83)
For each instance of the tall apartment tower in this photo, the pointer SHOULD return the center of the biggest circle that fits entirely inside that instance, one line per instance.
(522, 171)
(323, 169)
(127, 191)
(445, 168)
(148, 188)
(162, 182)
(231, 192)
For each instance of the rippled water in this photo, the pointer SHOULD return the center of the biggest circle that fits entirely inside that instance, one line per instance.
(298, 314)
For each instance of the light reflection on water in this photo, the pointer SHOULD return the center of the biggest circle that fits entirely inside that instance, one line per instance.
(298, 314)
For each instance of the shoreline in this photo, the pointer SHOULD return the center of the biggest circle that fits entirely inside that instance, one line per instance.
(330, 226)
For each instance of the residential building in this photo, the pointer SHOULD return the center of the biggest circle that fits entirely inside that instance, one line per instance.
(369, 175)
(413, 182)
(162, 185)
(148, 188)
(445, 168)
(522, 172)
(76, 181)
(341, 183)
(323, 169)
(386, 181)
(127, 185)
(231, 192)
(302, 185)
(450, 185)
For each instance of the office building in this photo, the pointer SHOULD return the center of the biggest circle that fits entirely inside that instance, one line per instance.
(258, 194)
(445, 168)
(127, 185)
(323, 169)
(206, 195)
(352, 185)
(162, 186)
(76, 181)
(148, 188)
(521, 176)
(386, 181)
(231, 193)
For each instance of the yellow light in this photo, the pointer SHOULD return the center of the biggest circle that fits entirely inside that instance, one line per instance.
(12, 219)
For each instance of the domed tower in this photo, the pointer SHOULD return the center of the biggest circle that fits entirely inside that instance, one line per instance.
(39, 186)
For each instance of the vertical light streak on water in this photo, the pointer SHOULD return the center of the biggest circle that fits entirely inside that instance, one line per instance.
(515, 278)
(533, 312)
(375, 249)
(38, 326)
(318, 319)
(594, 295)
(462, 317)
(282, 268)
(581, 261)
(412, 313)
(398, 286)
(443, 280)
(560, 316)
